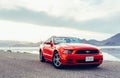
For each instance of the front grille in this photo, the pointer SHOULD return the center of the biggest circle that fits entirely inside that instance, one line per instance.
(83, 61)
(87, 52)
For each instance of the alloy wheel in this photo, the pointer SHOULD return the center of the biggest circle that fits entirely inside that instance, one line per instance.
(56, 60)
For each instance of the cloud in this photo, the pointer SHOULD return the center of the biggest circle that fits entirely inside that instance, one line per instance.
(39, 18)
(79, 10)
(28, 32)
(91, 15)
(104, 25)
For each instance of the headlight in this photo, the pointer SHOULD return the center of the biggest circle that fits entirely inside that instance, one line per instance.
(68, 51)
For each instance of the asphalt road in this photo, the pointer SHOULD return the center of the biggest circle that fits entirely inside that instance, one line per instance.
(20, 65)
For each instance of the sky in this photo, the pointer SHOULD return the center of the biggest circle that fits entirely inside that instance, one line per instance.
(35, 20)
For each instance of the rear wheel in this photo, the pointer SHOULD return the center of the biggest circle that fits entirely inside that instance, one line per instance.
(56, 61)
(41, 57)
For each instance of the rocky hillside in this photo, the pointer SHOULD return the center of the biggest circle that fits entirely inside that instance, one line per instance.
(114, 40)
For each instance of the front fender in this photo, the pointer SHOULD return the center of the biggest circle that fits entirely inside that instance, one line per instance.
(60, 50)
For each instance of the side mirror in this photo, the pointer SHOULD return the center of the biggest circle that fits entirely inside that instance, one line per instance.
(49, 43)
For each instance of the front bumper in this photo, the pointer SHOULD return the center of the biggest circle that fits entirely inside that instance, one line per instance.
(80, 59)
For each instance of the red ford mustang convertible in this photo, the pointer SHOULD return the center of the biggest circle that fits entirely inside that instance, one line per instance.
(69, 51)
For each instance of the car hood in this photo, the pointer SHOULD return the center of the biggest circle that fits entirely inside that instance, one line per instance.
(77, 46)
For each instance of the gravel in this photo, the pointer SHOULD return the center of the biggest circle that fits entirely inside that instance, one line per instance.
(25, 65)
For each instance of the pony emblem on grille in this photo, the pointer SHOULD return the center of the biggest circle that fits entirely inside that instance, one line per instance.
(87, 51)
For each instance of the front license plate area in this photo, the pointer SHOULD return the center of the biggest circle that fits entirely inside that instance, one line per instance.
(89, 59)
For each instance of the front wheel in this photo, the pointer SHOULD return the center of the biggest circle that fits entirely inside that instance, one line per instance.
(56, 61)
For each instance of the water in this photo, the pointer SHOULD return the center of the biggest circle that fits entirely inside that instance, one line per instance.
(34, 50)
(107, 47)
(111, 50)
(111, 53)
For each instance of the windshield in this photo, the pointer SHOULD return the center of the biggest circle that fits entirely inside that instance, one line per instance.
(59, 40)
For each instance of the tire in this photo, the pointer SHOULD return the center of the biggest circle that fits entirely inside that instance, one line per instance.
(41, 57)
(56, 61)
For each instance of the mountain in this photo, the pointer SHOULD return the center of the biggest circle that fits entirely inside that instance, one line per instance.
(94, 42)
(112, 41)
(9, 43)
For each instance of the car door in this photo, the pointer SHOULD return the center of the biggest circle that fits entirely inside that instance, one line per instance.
(48, 49)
